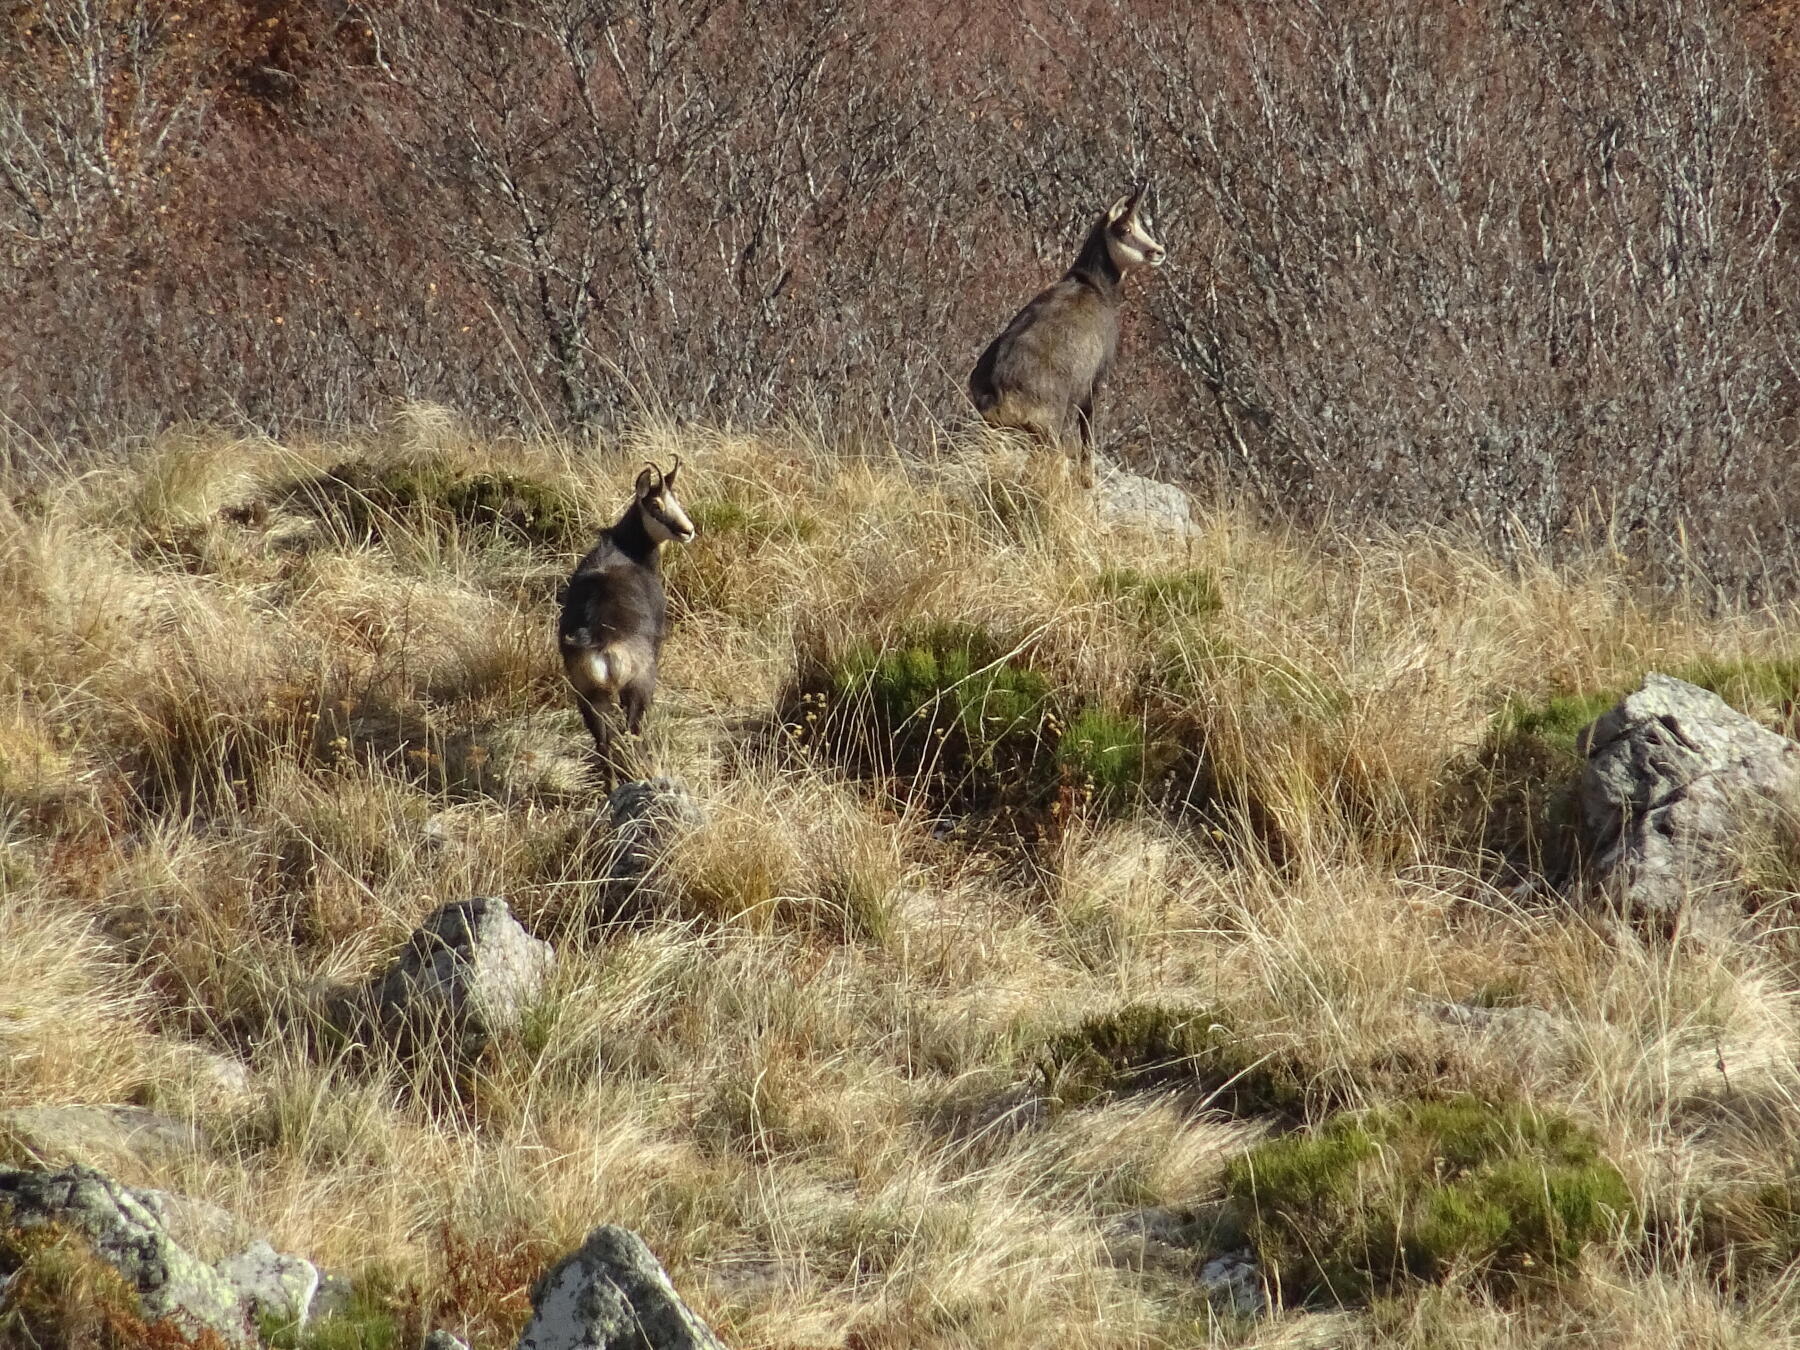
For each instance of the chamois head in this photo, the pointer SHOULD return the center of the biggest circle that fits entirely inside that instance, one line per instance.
(1128, 236)
(661, 510)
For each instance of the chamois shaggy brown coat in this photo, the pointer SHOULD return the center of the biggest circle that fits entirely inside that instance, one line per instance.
(1046, 367)
(615, 610)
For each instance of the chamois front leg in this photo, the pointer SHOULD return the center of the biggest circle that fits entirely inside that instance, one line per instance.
(1084, 454)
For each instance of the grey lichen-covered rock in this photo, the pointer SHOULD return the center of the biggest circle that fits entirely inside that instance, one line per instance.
(272, 1284)
(470, 969)
(648, 816)
(1234, 1284)
(98, 1134)
(169, 1281)
(1184, 1244)
(205, 1229)
(1131, 501)
(335, 1294)
(612, 1294)
(1675, 782)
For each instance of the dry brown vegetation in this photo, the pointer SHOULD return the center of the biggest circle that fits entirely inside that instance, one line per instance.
(248, 738)
(1526, 266)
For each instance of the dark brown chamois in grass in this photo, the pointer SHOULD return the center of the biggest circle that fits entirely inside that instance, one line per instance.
(1048, 364)
(615, 611)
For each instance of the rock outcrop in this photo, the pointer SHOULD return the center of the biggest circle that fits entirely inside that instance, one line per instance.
(104, 1135)
(1233, 1283)
(272, 1284)
(128, 1229)
(648, 816)
(469, 969)
(1131, 501)
(612, 1294)
(170, 1283)
(1676, 784)
(1181, 1244)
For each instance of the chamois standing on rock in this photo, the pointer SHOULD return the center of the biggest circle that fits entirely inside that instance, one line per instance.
(615, 611)
(1048, 363)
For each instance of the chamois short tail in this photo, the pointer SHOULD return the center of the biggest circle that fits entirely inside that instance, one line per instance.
(590, 669)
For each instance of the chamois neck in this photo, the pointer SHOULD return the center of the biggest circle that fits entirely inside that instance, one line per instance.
(632, 539)
(1095, 265)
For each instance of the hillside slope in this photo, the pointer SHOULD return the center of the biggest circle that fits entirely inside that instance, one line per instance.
(996, 804)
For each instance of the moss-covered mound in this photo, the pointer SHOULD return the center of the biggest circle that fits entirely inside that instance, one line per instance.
(961, 716)
(1146, 1046)
(368, 501)
(1426, 1191)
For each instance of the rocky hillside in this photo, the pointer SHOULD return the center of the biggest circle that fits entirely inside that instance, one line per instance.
(1020, 924)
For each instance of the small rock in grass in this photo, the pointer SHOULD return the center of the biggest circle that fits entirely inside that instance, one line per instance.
(612, 1294)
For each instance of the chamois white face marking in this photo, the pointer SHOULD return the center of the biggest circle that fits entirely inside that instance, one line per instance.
(1128, 234)
(664, 516)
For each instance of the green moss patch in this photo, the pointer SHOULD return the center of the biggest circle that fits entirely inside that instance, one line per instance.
(1555, 724)
(950, 678)
(1423, 1192)
(368, 1320)
(961, 715)
(366, 501)
(1183, 593)
(1106, 757)
(1150, 1046)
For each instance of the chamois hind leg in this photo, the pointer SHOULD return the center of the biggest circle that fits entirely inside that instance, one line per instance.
(604, 729)
(595, 721)
(1041, 437)
(634, 702)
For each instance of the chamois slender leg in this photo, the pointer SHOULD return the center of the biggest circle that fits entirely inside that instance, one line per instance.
(613, 754)
(596, 725)
(634, 699)
(1084, 455)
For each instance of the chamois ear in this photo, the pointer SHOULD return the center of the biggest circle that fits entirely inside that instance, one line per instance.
(648, 480)
(1121, 208)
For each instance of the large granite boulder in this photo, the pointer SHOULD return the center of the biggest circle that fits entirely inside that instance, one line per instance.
(612, 1294)
(1677, 784)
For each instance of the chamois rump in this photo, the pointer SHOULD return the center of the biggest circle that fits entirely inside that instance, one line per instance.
(615, 610)
(1048, 363)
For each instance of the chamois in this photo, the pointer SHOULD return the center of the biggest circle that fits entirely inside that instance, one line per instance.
(1048, 363)
(615, 612)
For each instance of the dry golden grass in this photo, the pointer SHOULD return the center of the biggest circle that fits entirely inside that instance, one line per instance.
(243, 751)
